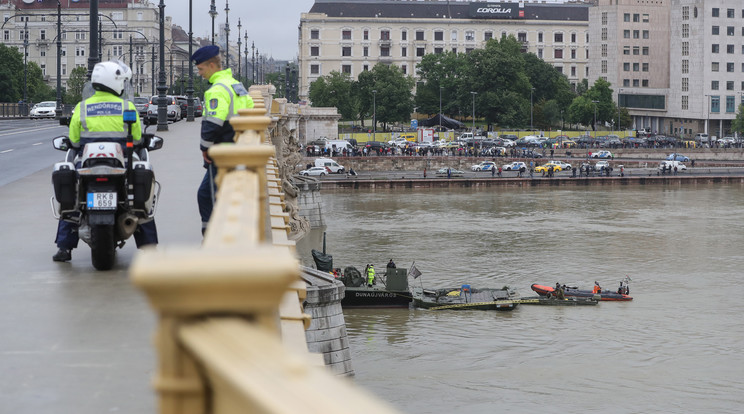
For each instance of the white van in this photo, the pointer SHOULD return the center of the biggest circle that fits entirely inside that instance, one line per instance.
(332, 166)
(337, 145)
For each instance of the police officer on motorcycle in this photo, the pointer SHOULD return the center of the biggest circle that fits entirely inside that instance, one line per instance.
(222, 100)
(100, 118)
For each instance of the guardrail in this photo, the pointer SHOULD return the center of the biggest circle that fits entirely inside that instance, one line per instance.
(13, 110)
(230, 335)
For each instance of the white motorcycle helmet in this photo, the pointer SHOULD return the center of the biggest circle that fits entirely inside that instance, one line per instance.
(111, 76)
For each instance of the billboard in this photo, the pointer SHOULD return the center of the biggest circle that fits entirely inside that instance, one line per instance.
(505, 10)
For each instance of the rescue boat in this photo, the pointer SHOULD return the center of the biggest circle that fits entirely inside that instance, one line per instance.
(605, 295)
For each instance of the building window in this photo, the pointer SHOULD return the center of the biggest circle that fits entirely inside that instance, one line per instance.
(636, 67)
(645, 34)
(714, 85)
(420, 51)
(469, 35)
(438, 36)
(365, 68)
(644, 67)
(79, 51)
(468, 50)
(64, 69)
(454, 50)
(604, 66)
(522, 37)
(626, 50)
(573, 37)
(404, 68)
(117, 15)
(404, 51)
(6, 35)
(644, 83)
(419, 35)
(730, 104)
(558, 37)
(559, 69)
(636, 34)
(540, 37)
(384, 34)
(730, 13)
(586, 53)
(573, 71)
(540, 53)
(453, 35)
(314, 69)
(488, 36)
(438, 50)
(645, 50)
(346, 69)
(604, 18)
(686, 13)
(714, 66)
(365, 34)
(685, 103)
(636, 50)
(64, 51)
(636, 83)
(685, 30)
(645, 18)
(314, 51)
(346, 35)
(730, 85)
(346, 51)
(626, 82)
(385, 51)
(730, 67)
(714, 48)
(685, 66)
(716, 30)
(730, 30)
(685, 84)
(404, 35)
(558, 53)
(42, 34)
(716, 12)
(626, 34)
(79, 35)
(604, 50)
(730, 49)
(626, 17)
(365, 51)
(715, 103)
(685, 48)
(604, 34)
(140, 16)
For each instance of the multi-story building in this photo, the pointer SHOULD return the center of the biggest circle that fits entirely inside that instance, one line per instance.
(352, 37)
(676, 65)
(120, 20)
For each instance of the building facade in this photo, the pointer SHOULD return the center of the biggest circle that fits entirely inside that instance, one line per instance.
(676, 65)
(352, 37)
(120, 20)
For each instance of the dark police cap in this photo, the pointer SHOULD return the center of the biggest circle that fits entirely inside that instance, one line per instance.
(205, 53)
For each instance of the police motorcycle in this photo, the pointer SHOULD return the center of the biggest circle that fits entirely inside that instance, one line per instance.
(106, 190)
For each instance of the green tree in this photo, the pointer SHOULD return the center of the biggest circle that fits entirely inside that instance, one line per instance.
(335, 90)
(38, 90)
(437, 71)
(75, 84)
(737, 125)
(394, 99)
(596, 102)
(12, 70)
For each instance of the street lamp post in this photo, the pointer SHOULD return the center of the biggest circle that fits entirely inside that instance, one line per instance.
(227, 34)
(595, 118)
(374, 114)
(474, 93)
(190, 89)
(213, 14)
(59, 59)
(93, 53)
(246, 55)
(25, 68)
(162, 88)
(240, 73)
(253, 62)
(619, 91)
(440, 108)
(532, 90)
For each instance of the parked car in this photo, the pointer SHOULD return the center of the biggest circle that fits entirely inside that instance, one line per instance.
(198, 108)
(515, 166)
(173, 110)
(46, 109)
(484, 166)
(602, 154)
(442, 172)
(677, 157)
(671, 164)
(564, 165)
(317, 171)
(375, 146)
(600, 165)
(545, 167)
(398, 142)
(141, 103)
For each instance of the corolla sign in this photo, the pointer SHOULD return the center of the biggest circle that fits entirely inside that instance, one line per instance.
(495, 10)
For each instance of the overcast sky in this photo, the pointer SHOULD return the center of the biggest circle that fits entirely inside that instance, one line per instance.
(271, 24)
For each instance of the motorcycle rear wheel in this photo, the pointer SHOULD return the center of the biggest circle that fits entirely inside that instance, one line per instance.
(103, 247)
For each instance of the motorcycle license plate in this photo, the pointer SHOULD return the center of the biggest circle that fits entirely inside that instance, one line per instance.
(102, 201)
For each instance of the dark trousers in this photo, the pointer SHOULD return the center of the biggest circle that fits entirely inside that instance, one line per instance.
(67, 234)
(204, 195)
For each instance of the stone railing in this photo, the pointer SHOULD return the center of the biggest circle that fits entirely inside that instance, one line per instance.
(230, 335)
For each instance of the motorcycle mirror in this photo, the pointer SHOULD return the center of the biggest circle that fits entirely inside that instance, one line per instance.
(61, 143)
(64, 120)
(156, 142)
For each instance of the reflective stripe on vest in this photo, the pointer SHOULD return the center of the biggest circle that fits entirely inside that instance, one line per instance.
(86, 133)
(231, 108)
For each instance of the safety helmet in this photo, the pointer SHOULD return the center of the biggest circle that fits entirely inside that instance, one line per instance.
(110, 76)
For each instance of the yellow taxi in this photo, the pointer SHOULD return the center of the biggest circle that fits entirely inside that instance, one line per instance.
(544, 168)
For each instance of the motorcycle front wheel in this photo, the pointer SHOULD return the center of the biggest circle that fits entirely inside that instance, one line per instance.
(102, 247)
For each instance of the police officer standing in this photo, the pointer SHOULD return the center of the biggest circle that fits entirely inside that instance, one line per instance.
(98, 118)
(223, 100)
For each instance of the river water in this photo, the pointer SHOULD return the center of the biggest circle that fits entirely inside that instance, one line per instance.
(676, 348)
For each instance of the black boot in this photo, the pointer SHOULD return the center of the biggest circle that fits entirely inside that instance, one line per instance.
(63, 255)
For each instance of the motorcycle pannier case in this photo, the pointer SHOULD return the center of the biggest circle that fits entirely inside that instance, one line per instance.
(143, 181)
(65, 188)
